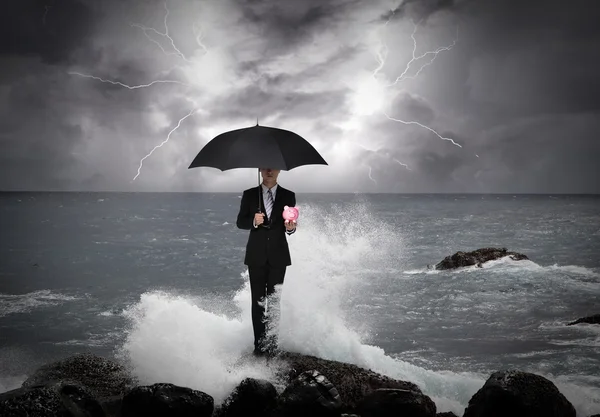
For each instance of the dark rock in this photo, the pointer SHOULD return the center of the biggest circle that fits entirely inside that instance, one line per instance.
(595, 319)
(446, 414)
(390, 402)
(310, 394)
(516, 393)
(477, 257)
(252, 398)
(101, 376)
(161, 400)
(352, 382)
(55, 399)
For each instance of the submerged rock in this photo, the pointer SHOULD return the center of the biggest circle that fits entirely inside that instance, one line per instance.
(516, 393)
(477, 257)
(351, 382)
(595, 319)
(160, 400)
(55, 399)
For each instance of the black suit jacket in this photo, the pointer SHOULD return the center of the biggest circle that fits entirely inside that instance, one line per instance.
(266, 245)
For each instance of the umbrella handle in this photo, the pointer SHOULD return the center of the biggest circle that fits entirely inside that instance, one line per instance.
(259, 192)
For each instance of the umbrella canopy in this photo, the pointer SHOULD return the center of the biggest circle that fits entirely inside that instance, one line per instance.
(257, 147)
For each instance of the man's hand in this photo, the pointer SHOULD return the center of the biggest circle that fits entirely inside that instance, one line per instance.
(289, 226)
(259, 218)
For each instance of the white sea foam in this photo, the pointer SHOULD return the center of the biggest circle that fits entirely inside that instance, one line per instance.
(189, 341)
(25, 303)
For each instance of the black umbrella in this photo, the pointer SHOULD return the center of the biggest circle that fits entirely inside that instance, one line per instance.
(257, 147)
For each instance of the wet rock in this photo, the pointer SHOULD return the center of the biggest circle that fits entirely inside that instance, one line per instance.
(352, 382)
(595, 319)
(390, 402)
(251, 398)
(54, 399)
(516, 393)
(159, 400)
(101, 376)
(310, 394)
(477, 257)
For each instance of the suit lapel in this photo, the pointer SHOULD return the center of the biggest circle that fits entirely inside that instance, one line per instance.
(277, 209)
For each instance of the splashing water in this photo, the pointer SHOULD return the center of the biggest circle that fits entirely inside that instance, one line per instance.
(337, 253)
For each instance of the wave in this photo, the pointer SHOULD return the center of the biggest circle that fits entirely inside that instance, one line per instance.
(25, 303)
(191, 341)
(506, 263)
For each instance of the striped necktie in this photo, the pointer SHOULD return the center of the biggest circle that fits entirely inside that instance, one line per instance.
(269, 203)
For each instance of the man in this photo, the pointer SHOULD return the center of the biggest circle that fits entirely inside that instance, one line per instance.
(267, 252)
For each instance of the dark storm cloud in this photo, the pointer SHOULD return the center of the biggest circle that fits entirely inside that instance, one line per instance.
(262, 104)
(50, 29)
(37, 142)
(535, 57)
(418, 10)
(519, 89)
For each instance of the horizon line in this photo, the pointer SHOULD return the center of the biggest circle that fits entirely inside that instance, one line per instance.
(297, 192)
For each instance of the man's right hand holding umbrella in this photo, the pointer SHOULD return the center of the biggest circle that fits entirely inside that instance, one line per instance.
(259, 218)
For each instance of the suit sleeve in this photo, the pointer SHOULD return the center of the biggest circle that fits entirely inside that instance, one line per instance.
(292, 204)
(245, 217)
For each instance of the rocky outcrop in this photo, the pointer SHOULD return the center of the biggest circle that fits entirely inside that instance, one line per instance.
(312, 386)
(595, 319)
(251, 398)
(516, 393)
(392, 402)
(103, 377)
(310, 394)
(477, 257)
(106, 380)
(166, 400)
(54, 399)
(352, 382)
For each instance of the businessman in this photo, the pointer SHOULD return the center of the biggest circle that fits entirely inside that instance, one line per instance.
(267, 253)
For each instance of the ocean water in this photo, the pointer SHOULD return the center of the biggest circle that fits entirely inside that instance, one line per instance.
(158, 280)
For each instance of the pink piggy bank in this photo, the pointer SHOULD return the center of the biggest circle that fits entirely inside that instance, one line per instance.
(290, 214)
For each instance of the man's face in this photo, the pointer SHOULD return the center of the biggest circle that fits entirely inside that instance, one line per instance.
(270, 174)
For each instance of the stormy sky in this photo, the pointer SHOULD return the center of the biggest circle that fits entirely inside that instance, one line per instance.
(88, 88)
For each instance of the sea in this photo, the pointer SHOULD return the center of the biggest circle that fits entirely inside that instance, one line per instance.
(157, 280)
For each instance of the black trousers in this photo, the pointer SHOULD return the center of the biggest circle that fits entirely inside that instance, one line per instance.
(262, 283)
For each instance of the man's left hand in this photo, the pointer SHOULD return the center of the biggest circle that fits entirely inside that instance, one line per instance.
(289, 226)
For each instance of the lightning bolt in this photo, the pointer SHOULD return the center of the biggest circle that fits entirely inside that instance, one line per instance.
(424, 127)
(131, 87)
(416, 57)
(370, 176)
(381, 57)
(164, 141)
(381, 156)
(177, 52)
(146, 29)
(401, 163)
(198, 33)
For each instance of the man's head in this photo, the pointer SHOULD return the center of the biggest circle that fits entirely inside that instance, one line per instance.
(269, 175)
